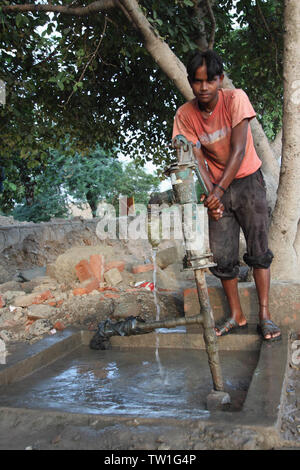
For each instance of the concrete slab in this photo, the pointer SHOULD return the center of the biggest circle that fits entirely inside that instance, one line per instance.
(284, 302)
(246, 340)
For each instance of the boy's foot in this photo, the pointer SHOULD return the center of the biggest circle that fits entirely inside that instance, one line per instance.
(229, 326)
(268, 330)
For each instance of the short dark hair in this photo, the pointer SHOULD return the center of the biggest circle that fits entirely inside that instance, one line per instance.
(212, 60)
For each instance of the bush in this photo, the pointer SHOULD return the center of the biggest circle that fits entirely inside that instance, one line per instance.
(43, 209)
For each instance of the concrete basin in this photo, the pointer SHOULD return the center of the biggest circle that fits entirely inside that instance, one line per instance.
(137, 390)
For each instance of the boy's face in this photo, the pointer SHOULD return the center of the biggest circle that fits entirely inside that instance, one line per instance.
(206, 91)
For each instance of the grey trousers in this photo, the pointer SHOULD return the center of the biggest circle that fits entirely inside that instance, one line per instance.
(245, 207)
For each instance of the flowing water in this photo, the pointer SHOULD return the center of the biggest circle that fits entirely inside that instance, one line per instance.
(162, 372)
(127, 382)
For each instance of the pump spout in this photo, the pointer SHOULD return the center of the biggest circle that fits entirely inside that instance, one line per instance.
(135, 326)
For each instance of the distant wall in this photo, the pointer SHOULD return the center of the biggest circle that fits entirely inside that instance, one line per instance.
(27, 244)
(15, 236)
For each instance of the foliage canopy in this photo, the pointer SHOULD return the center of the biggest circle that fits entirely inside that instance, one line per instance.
(71, 177)
(90, 76)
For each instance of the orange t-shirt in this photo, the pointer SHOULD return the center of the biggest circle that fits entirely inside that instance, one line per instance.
(214, 132)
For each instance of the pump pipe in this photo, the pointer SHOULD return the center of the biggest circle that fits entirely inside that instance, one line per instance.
(183, 193)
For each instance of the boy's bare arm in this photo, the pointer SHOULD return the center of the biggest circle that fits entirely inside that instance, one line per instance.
(202, 167)
(217, 212)
(238, 145)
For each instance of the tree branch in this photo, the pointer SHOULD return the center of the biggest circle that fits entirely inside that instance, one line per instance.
(99, 5)
(271, 36)
(126, 14)
(90, 60)
(201, 40)
(159, 49)
(213, 25)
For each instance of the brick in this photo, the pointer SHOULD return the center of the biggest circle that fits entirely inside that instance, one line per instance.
(93, 285)
(191, 302)
(80, 291)
(113, 277)
(2, 301)
(59, 326)
(55, 303)
(120, 265)
(102, 289)
(84, 271)
(111, 296)
(39, 299)
(142, 268)
(165, 290)
(97, 266)
(191, 308)
(28, 324)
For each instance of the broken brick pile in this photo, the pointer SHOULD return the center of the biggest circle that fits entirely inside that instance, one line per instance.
(47, 307)
(95, 274)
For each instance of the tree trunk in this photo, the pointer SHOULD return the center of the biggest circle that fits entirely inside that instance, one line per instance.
(284, 232)
(276, 145)
(159, 49)
(93, 202)
(270, 165)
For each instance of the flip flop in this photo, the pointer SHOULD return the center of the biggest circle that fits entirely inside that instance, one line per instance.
(268, 327)
(229, 326)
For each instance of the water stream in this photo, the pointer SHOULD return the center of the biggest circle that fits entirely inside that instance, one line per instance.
(162, 372)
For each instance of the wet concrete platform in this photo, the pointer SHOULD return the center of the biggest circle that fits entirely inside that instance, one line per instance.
(60, 375)
(172, 383)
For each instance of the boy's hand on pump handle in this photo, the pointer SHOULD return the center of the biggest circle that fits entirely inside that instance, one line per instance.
(213, 203)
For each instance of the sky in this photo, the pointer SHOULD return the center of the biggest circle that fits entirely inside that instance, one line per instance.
(149, 168)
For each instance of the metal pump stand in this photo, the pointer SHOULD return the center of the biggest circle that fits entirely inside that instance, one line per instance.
(184, 194)
(182, 178)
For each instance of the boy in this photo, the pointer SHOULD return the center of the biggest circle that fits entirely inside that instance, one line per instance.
(219, 119)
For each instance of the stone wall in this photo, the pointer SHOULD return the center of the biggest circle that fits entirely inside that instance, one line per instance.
(15, 236)
(27, 244)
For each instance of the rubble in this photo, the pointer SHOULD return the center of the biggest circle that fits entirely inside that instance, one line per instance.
(113, 277)
(39, 327)
(87, 284)
(142, 268)
(37, 311)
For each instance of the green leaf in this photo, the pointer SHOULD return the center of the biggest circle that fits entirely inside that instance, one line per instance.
(19, 19)
(11, 186)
